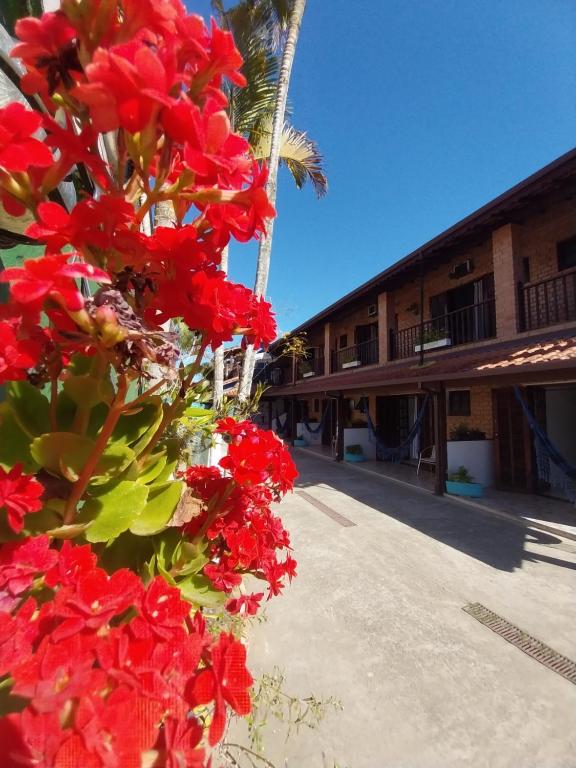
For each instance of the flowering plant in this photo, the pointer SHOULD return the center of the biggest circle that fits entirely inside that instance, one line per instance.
(109, 555)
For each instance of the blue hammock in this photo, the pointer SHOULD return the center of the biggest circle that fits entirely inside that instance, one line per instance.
(401, 451)
(552, 466)
(281, 428)
(318, 428)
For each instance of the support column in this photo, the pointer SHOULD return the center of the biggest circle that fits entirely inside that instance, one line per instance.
(386, 312)
(340, 428)
(507, 263)
(327, 360)
(293, 417)
(440, 439)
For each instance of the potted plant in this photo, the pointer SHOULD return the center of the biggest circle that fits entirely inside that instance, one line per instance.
(463, 432)
(354, 453)
(434, 338)
(461, 483)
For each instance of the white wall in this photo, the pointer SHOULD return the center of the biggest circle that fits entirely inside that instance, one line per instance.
(360, 436)
(312, 438)
(476, 456)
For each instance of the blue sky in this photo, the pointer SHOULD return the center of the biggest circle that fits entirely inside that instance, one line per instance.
(424, 110)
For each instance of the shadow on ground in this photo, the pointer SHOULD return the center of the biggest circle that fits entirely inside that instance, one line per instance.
(494, 541)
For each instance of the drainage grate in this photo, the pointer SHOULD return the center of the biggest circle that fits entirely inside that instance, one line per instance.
(535, 648)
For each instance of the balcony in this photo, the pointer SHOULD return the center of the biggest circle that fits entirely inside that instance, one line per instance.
(463, 326)
(548, 302)
(314, 366)
(355, 356)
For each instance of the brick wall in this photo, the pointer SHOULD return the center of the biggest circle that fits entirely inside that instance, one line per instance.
(436, 281)
(347, 323)
(539, 234)
(480, 412)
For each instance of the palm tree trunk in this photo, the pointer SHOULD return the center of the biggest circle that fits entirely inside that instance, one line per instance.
(219, 353)
(164, 214)
(265, 247)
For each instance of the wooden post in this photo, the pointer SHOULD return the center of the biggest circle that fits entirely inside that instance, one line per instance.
(440, 439)
(293, 417)
(340, 428)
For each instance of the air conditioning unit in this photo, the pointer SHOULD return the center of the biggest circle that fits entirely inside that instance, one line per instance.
(372, 310)
(461, 270)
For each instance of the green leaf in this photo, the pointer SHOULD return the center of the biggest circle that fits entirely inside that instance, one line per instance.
(198, 589)
(30, 407)
(137, 428)
(14, 443)
(68, 531)
(88, 391)
(153, 466)
(162, 501)
(115, 511)
(66, 453)
(172, 457)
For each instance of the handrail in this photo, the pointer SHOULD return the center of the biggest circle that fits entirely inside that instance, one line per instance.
(548, 302)
(475, 322)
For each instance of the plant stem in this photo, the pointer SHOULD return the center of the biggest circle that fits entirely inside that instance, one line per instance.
(53, 404)
(99, 447)
(170, 411)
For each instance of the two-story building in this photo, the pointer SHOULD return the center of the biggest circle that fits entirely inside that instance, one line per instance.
(484, 312)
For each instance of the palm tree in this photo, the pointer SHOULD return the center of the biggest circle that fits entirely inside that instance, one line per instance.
(258, 27)
(265, 248)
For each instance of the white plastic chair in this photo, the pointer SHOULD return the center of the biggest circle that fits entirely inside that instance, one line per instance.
(424, 459)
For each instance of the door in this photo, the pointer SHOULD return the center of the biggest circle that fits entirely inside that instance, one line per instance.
(392, 419)
(512, 443)
(329, 428)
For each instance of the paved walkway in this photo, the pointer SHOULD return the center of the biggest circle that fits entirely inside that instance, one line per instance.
(544, 511)
(375, 618)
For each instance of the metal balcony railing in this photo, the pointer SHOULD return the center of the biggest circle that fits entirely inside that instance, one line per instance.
(463, 326)
(548, 302)
(314, 366)
(355, 356)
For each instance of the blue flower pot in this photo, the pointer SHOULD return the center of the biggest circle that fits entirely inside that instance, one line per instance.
(473, 490)
(354, 457)
(300, 443)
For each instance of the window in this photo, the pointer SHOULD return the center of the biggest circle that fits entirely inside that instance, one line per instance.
(316, 405)
(566, 251)
(343, 340)
(459, 402)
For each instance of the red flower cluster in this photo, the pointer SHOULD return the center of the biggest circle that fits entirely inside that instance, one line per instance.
(108, 669)
(244, 536)
(19, 495)
(98, 668)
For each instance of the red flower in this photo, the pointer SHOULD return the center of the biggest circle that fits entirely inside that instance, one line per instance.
(53, 277)
(98, 225)
(163, 609)
(245, 604)
(179, 742)
(261, 326)
(48, 49)
(19, 495)
(16, 356)
(20, 562)
(126, 87)
(75, 148)
(94, 599)
(221, 577)
(225, 681)
(18, 150)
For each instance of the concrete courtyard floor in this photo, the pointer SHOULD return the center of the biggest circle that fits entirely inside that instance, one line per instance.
(375, 619)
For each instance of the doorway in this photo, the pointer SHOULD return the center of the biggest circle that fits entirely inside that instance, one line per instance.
(512, 444)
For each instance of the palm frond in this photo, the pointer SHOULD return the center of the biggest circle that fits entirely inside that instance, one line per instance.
(248, 105)
(265, 20)
(298, 152)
